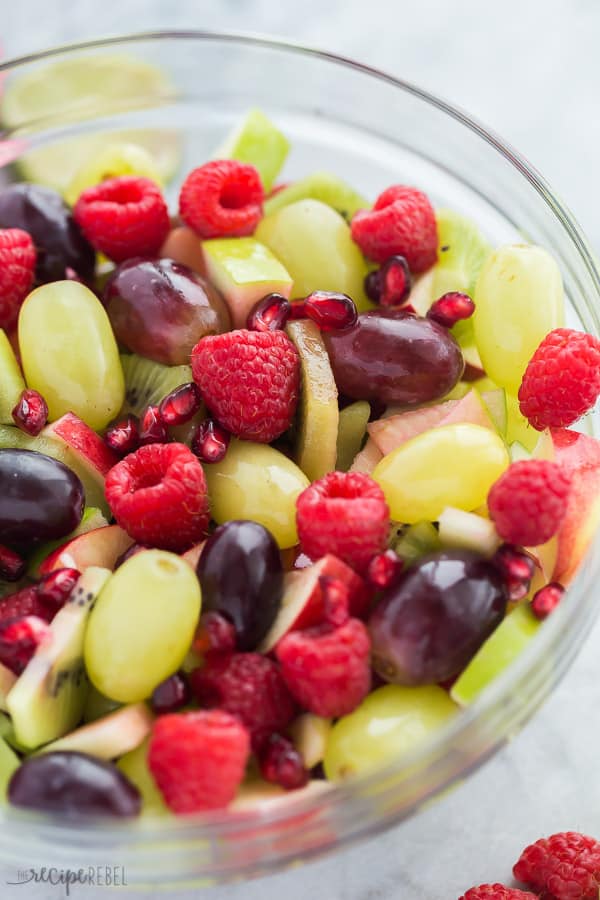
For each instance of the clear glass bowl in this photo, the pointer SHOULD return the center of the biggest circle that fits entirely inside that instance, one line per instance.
(372, 130)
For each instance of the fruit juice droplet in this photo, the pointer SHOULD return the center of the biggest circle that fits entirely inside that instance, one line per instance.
(210, 442)
(330, 311)
(269, 314)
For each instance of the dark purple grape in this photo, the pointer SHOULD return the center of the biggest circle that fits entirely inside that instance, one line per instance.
(58, 239)
(241, 576)
(74, 785)
(160, 309)
(171, 694)
(40, 498)
(427, 628)
(394, 357)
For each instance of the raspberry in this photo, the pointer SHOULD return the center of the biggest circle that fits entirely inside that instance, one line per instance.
(249, 686)
(327, 669)
(123, 217)
(528, 502)
(17, 269)
(566, 865)
(401, 223)
(26, 602)
(158, 495)
(249, 381)
(198, 759)
(214, 633)
(19, 639)
(496, 892)
(562, 379)
(344, 513)
(222, 198)
(31, 412)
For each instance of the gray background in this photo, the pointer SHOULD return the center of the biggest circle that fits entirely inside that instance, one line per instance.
(531, 70)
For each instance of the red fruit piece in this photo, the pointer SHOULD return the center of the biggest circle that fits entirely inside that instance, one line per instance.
(249, 686)
(389, 285)
(344, 513)
(528, 502)
(562, 379)
(123, 217)
(280, 763)
(25, 602)
(327, 669)
(152, 428)
(385, 570)
(565, 865)
(31, 412)
(54, 589)
(19, 639)
(171, 694)
(249, 381)
(401, 223)
(124, 436)
(12, 567)
(451, 308)
(547, 599)
(80, 437)
(180, 405)
(336, 598)
(198, 759)
(517, 567)
(330, 311)
(158, 496)
(269, 314)
(210, 441)
(215, 634)
(222, 198)
(17, 271)
(496, 892)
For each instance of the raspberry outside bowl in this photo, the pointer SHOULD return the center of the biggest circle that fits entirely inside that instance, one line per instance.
(370, 129)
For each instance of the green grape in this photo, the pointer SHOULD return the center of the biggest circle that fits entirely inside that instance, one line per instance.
(69, 353)
(452, 465)
(519, 298)
(134, 764)
(352, 428)
(255, 481)
(109, 161)
(11, 380)
(313, 242)
(142, 625)
(390, 723)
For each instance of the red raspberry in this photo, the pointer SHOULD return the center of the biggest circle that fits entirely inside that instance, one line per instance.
(281, 763)
(198, 759)
(327, 669)
(26, 602)
(222, 198)
(566, 865)
(344, 513)
(123, 217)
(401, 223)
(249, 380)
(528, 502)
(17, 270)
(562, 379)
(496, 892)
(158, 495)
(249, 686)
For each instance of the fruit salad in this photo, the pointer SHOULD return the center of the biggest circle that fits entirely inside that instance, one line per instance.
(287, 476)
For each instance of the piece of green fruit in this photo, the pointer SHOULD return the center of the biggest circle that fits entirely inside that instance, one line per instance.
(257, 141)
(351, 432)
(11, 380)
(321, 186)
(9, 763)
(134, 764)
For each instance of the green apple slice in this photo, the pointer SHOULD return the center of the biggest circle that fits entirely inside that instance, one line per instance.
(257, 141)
(244, 271)
(501, 649)
(108, 737)
(351, 432)
(458, 528)
(316, 441)
(321, 186)
(495, 402)
(11, 380)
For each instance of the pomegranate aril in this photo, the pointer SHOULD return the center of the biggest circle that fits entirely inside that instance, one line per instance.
(124, 436)
(298, 309)
(54, 589)
(215, 634)
(547, 599)
(152, 428)
(517, 569)
(385, 570)
(451, 308)
(31, 412)
(210, 441)
(19, 639)
(180, 405)
(336, 596)
(269, 314)
(330, 311)
(280, 763)
(12, 567)
(171, 694)
(394, 281)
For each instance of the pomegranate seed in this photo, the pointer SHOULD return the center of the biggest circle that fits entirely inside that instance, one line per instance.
(124, 436)
(180, 405)
(210, 441)
(12, 567)
(19, 639)
(152, 428)
(372, 285)
(451, 308)
(269, 314)
(215, 634)
(127, 554)
(330, 311)
(280, 763)
(390, 285)
(31, 412)
(385, 569)
(336, 596)
(547, 599)
(297, 309)
(55, 588)
(518, 569)
(171, 694)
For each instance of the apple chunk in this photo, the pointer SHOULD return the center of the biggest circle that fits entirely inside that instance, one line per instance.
(99, 547)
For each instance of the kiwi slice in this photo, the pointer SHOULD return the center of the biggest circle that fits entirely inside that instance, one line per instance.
(147, 382)
(135, 766)
(11, 380)
(321, 186)
(351, 431)
(462, 251)
(48, 698)
(416, 540)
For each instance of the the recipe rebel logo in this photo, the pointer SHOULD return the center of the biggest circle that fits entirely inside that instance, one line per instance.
(96, 876)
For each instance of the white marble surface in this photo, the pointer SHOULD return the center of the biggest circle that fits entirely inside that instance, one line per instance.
(531, 70)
